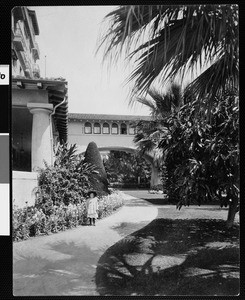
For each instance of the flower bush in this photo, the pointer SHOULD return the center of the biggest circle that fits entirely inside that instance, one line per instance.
(108, 204)
(33, 221)
(156, 189)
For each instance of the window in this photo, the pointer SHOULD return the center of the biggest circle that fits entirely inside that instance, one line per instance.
(123, 128)
(131, 130)
(97, 128)
(106, 128)
(88, 128)
(114, 129)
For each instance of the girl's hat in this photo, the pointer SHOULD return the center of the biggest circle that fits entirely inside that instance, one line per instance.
(90, 192)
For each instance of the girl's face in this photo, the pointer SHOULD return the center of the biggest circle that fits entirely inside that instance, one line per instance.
(91, 195)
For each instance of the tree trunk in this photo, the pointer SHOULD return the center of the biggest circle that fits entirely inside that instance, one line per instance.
(155, 176)
(232, 212)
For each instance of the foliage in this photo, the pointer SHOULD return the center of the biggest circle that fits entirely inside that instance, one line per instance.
(202, 159)
(33, 221)
(172, 41)
(60, 197)
(200, 154)
(109, 204)
(150, 132)
(98, 181)
(164, 178)
(65, 155)
(64, 183)
(161, 105)
(156, 189)
(126, 168)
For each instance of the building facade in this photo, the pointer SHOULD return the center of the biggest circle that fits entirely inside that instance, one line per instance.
(106, 130)
(25, 51)
(39, 108)
(109, 132)
(40, 115)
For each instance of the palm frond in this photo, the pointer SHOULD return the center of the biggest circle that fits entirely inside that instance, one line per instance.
(180, 39)
(145, 146)
(219, 77)
(176, 95)
(146, 102)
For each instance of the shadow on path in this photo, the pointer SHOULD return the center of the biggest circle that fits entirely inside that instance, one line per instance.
(69, 274)
(172, 257)
(65, 263)
(127, 253)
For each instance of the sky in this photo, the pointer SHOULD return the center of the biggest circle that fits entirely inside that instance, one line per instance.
(68, 40)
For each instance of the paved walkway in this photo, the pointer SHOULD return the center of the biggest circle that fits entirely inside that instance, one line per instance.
(65, 263)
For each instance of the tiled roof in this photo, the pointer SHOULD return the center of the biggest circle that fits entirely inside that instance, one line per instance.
(107, 117)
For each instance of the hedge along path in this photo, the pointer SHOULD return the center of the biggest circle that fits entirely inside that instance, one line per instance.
(65, 263)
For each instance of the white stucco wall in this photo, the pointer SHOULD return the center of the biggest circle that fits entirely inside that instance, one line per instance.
(76, 136)
(22, 188)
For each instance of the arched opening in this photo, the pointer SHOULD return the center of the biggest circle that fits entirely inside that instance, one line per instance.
(114, 128)
(131, 130)
(123, 128)
(106, 128)
(97, 128)
(88, 128)
(155, 176)
(126, 169)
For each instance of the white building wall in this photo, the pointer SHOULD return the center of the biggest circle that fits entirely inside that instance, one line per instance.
(76, 136)
(24, 184)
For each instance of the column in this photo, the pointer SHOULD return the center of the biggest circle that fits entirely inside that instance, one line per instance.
(41, 148)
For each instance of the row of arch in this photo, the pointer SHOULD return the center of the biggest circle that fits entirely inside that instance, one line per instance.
(105, 128)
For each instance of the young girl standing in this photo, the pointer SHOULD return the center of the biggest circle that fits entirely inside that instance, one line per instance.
(92, 207)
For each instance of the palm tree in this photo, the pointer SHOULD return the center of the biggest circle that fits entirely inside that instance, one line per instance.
(161, 105)
(150, 133)
(170, 41)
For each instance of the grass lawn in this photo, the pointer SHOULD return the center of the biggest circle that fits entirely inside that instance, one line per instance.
(179, 253)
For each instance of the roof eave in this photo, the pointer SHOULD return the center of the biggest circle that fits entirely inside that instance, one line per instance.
(53, 87)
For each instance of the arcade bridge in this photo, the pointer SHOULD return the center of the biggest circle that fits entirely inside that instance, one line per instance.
(109, 132)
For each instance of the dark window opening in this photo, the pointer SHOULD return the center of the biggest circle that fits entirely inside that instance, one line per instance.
(123, 128)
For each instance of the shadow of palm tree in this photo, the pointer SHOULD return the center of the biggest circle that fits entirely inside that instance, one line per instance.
(126, 228)
(172, 257)
(59, 274)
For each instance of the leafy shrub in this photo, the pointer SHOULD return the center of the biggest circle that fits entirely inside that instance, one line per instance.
(32, 221)
(126, 168)
(64, 183)
(202, 156)
(108, 204)
(157, 188)
(28, 221)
